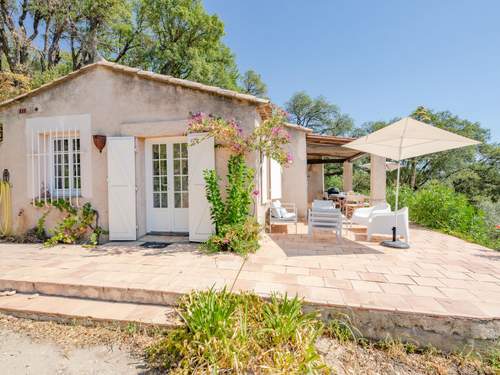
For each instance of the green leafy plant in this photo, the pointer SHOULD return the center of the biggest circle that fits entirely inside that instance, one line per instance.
(438, 206)
(235, 228)
(77, 224)
(239, 333)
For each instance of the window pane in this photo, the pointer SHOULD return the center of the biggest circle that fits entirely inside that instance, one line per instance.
(156, 167)
(185, 200)
(163, 167)
(177, 167)
(177, 183)
(163, 151)
(184, 150)
(156, 183)
(184, 167)
(164, 183)
(177, 150)
(156, 153)
(164, 200)
(177, 199)
(185, 183)
(156, 200)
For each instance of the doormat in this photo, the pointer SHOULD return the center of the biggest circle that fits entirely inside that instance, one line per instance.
(155, 245)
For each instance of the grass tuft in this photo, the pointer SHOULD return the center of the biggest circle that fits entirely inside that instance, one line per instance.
(240, 333)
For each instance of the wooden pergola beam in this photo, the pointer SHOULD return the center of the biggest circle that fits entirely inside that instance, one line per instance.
(325, 161)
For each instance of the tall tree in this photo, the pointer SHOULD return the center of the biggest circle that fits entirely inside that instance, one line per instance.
(318, 114)
(181, 39)
(17, 32)
(251, 83)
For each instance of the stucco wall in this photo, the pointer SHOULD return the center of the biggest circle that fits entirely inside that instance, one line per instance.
(112, 99)
(315, 182)
(294, 183)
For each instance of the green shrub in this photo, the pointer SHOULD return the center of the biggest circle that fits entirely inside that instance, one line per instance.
(239, 333)
(235, 229)
(241, 238)
(439, 207)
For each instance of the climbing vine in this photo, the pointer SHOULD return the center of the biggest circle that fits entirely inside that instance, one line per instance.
(79, 224)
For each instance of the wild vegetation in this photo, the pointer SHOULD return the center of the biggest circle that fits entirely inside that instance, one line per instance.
(243, 333)
(78, 225)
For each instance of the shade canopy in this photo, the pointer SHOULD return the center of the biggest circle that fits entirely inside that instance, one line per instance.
(408, 138)
(389, 166)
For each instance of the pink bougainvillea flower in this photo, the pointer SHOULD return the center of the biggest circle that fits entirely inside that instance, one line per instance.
(255, 193)
(289, 158)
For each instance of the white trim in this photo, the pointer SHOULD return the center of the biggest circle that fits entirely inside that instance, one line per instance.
(80, 124)
(176, 219)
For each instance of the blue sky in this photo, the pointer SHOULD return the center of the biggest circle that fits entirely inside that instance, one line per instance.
(375, 59)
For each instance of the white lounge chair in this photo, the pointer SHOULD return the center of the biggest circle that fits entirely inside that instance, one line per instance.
(323, 215)
(383, 222)
(282, 213)
(361, 216)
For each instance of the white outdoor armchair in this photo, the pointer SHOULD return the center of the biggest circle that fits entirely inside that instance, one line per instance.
(324, 215)
(282, 213)
(383, 222)
(362, 216)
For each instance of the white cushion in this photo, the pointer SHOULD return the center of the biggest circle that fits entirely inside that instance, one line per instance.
(276, 212)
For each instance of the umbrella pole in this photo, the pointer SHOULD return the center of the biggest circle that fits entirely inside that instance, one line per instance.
(395, 229)
(395, 243)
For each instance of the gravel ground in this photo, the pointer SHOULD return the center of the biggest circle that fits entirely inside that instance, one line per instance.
(35, 347)
(20, 354)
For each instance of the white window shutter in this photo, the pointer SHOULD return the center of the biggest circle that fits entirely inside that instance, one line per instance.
(121, 188)
(276, 175)
(201, 156)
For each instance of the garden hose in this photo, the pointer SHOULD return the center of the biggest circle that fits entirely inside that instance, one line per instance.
(5, 208)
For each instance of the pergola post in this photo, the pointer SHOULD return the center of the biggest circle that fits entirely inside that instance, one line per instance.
(347, 176)
(377, 180)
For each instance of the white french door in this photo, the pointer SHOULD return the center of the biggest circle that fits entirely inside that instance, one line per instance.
(167, 196)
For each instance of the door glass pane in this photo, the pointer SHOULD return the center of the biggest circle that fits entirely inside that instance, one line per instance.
(160, 176)
(180, 175)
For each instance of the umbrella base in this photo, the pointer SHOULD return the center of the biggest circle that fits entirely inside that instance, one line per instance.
(395, 244)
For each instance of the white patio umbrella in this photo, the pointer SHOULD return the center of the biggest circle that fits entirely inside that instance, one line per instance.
(389, 166)
(404, 139)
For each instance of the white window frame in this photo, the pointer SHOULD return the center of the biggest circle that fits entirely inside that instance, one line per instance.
(71, 191)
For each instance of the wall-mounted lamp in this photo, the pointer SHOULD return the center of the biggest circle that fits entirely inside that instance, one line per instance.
(6, 175)
(99, 142)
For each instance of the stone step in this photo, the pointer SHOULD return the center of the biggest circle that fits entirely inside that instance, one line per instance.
(67, 310)
(100, 292)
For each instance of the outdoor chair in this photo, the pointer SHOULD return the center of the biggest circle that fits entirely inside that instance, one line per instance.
(361, 216)
(325, 216)
(383, 222)
(282, 213)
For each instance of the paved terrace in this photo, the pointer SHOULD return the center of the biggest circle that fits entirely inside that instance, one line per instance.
(438, 276)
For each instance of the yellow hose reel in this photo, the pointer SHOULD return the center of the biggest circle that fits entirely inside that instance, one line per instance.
(5, 208)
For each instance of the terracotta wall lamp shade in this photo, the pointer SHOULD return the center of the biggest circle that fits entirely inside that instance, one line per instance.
(99, 142)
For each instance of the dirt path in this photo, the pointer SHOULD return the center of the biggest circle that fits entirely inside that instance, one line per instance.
(21, 354)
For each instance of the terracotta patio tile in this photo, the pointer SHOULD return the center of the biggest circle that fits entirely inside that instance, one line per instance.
(425, 291)
(399, 279)
(428, 273)
(320, 272)
(459, 294)
(456, 275)
(426, 305)
(297, 270)
(427, 281)
(483, 277)
(462, 308)
(346, 275)
(403, 271)
(336, 283)
(370, 276)
(397, 289)
(365, 286)
(310, 280)
(273, 268)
